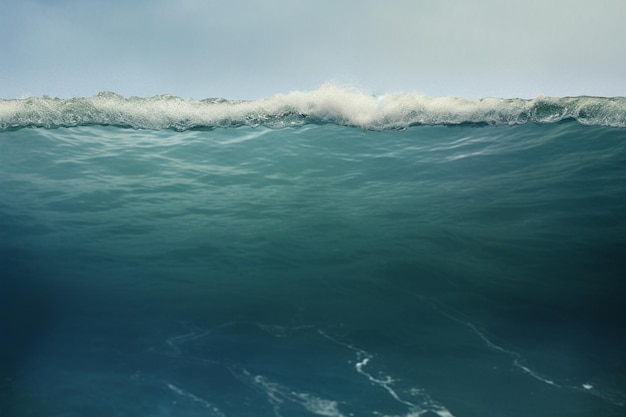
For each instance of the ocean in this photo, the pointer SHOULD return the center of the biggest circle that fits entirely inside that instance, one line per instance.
(321, 253)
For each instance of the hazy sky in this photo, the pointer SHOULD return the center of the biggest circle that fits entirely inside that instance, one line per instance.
(253, 49)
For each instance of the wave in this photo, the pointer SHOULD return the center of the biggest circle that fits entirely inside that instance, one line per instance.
(328, 104)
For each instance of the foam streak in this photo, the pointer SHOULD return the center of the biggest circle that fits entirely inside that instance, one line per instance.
(518, 360)
(386, 382)
(214, 410)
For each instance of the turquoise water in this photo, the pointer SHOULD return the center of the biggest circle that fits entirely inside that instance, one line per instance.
(291, 265)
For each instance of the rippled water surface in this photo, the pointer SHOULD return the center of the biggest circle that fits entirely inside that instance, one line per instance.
(313, 270)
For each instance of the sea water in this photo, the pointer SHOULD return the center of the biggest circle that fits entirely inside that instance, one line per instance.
(319, 253)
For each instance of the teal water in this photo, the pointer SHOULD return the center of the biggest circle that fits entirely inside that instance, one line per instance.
(317, 269)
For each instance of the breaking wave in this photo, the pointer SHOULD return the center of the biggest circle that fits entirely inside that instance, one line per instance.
(328, 104)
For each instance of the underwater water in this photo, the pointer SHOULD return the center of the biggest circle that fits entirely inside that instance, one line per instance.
(323, 253)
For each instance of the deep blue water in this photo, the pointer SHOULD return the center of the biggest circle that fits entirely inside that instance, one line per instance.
(313, 269)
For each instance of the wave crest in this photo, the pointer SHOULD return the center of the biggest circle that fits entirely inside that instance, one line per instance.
(328, 104)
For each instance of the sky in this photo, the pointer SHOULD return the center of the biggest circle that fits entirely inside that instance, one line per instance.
(254, 49)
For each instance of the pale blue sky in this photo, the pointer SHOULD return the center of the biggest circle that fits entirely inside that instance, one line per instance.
(253, 49)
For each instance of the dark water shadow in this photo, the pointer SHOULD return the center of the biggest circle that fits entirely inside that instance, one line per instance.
(26, 311)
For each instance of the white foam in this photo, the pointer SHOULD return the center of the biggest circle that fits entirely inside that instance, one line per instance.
(427, 404)
(518, 362)
(214, 410)
(328, 103)
(278, 394)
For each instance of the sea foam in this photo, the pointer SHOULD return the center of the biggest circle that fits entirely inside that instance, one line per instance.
(328, 104)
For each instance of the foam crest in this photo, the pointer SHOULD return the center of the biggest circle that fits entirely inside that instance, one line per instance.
(328, 104)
